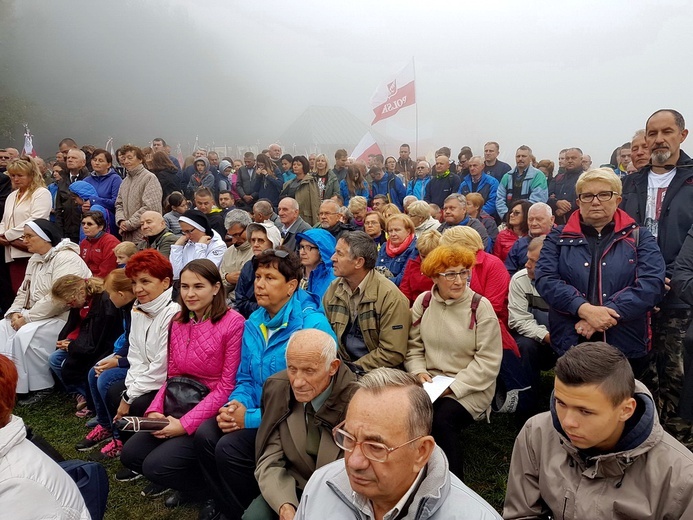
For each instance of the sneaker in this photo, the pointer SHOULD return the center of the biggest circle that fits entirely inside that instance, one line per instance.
(94, 438)
(83, 413)
(127, 475)
(81, 402)
(91, 423)
(35, 397)
(152, 490)
(109, 451)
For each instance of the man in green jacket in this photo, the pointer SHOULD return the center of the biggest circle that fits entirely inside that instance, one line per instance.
(368, 313)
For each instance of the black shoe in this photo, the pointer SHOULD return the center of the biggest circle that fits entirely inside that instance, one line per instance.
(152, 490)
(209, 511)
(126, 475)
(33, 398)
(177, 499)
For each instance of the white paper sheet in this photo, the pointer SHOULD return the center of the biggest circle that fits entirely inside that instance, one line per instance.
(436, 387)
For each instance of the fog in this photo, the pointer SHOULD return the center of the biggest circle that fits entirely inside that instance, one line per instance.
(543, 73)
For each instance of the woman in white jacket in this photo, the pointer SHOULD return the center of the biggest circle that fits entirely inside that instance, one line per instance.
(199, 241)
(29, 332)
(29, 200)
(31, 484)
(151, 275)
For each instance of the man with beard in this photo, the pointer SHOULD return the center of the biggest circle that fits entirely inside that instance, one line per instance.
(659, 197)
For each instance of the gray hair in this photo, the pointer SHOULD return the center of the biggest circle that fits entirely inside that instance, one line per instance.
(420, 416)
(525, 148)
(409, 199)
(536, 243)
(639, 133)
(539, 206)
(428, 165)
(361, 246)
(457, 196)
(263, 207)
(79, 153)
(420, 208)
(237, 217)
(292, 201)
(328, 351)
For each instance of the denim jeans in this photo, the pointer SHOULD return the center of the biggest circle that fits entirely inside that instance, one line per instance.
(56, 360)
(98, 386)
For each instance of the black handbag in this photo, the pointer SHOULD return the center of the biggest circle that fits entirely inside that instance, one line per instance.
(181, 395)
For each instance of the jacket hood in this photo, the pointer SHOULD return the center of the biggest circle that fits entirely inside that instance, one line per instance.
(204, 160)
(64, 245)
(323, 239)
(642, 431)
(109, 173)
(223, 165)
(11, 434)
(83, 190)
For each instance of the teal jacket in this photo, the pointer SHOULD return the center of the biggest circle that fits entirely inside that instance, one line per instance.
(262, 356)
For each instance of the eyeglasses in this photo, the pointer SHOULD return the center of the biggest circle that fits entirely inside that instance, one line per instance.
(451, 276)
(5, 157)
(279, 253)
(375, 451)
(27, 237)
(516, 213)
(602, 196)
(307, 248)
(187, 231)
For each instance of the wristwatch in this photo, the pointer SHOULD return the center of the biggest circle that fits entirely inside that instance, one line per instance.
(125, 397)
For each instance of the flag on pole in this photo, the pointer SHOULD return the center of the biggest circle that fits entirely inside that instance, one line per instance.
(28, 142)
(110, 149)
(395, 94)
(179, 155)
(367, 146)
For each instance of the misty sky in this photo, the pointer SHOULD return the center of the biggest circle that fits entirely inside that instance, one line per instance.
(543, 73)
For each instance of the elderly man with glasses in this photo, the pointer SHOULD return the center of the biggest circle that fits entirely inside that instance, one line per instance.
(601, 273)
(392, 467)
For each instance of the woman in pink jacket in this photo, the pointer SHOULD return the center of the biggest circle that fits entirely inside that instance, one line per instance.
(204, 345)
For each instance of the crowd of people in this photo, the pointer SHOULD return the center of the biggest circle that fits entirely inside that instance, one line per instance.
(285, 337)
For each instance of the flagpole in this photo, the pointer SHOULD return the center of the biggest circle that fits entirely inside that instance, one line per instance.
(416, 107)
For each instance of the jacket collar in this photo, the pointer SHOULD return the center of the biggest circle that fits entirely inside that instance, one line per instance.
(621, 221)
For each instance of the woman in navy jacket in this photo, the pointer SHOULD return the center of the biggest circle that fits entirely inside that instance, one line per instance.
(601, 274)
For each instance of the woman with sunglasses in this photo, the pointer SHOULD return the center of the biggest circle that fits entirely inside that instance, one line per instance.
(454, 333)
(601, 274)
(516, 226)
(226, 444)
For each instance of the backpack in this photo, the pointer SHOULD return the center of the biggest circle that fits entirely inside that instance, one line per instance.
(476, 298)
(92, 480)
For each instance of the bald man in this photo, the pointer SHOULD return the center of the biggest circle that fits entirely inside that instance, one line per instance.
(156, 234)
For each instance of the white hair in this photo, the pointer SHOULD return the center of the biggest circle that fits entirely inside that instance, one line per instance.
(328, 351)
(537, 206)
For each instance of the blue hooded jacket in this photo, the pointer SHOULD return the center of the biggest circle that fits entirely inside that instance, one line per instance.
(86, 191)
(320, 277)
(263, 355)
(106, 187)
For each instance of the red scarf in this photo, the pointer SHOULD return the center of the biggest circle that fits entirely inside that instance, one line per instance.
(393, 251)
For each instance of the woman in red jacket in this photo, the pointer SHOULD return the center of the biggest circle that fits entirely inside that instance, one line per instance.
(515, 227)
(414, 282)
(97, 247)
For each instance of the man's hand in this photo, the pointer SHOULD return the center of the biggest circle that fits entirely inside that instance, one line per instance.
(123, 409)
(231, 417)
(232, 278)
(4, 241)
(667, 284)
(564, 206)
(598, 317)
(547, 338)
(248, 198)
(287, 512)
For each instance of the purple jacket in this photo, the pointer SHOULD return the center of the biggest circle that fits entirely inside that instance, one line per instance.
(209, 353)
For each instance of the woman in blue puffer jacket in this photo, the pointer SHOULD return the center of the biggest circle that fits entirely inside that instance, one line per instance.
(399, 248)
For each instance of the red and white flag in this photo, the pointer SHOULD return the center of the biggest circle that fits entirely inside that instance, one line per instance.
(28, 143)
(394, 95)
(367, 146)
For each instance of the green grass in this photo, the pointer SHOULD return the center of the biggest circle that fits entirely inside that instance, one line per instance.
(487, 458)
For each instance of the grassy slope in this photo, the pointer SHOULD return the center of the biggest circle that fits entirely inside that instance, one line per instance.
(489, 447)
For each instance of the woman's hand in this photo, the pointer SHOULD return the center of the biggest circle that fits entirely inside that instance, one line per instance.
(598, 317)
(17, 321)
(4, 241)
(123, 409)
(424, 377)
(62, 344)
(231, 417)
(105, 364)
(206, 239)
(182, 240)
(174, 429)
